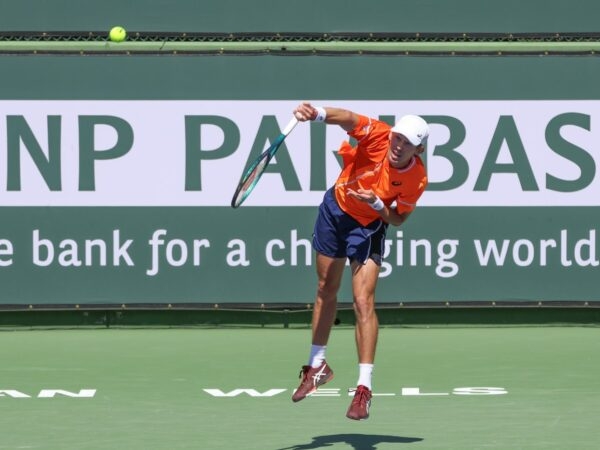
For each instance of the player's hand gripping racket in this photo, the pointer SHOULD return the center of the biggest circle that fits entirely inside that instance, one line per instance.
(254, 172)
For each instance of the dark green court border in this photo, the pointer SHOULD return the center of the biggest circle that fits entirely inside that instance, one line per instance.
(422, 314)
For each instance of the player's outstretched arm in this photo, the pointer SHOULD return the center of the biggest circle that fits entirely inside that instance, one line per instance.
(331, 115)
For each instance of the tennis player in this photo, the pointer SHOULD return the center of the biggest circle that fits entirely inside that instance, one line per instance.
(379, 185)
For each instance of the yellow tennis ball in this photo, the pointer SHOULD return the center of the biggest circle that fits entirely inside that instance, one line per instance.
(117, 34)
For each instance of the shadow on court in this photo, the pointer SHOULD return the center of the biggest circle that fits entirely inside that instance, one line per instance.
(356, 441)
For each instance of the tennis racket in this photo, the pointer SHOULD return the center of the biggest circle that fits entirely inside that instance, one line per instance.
(255, 171)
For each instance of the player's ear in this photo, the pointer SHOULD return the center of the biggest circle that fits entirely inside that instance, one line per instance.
(420, 149)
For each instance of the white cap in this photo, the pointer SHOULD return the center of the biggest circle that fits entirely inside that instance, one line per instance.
(414, 128)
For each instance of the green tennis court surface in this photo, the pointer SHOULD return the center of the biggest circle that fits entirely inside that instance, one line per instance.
(230, 388)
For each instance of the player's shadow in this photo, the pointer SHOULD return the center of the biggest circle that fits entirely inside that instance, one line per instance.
(356, 441)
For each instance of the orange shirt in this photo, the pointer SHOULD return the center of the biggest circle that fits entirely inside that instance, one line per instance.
(366, 166)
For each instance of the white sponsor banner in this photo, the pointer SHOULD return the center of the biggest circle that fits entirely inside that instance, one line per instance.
(511, 152)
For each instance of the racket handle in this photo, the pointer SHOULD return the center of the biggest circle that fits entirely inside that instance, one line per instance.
(290, 126)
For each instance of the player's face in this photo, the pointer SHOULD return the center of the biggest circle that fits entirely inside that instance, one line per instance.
(401, 150)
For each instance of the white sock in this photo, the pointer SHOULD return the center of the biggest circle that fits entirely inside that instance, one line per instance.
(317, 355)
(365, 371)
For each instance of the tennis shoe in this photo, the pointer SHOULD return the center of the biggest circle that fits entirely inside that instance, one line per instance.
(311, 378)
(359, 408)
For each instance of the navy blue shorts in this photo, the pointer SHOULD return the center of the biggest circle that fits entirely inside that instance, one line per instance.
(338, 235)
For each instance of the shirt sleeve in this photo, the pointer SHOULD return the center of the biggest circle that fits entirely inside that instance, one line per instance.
(362, 129)
(361, 132)
(372, 136)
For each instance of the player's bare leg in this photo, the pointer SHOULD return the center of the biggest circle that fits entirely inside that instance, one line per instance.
(317, 372)
(364, 280)
(329, 273)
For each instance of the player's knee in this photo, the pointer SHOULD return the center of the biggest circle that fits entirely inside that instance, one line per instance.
(364, 307)
(327, 290)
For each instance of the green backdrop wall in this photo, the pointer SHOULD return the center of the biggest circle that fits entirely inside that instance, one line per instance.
(32, 222)
(225, 16)
(141, 232)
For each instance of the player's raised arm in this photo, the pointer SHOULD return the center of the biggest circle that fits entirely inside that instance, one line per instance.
(331, 115)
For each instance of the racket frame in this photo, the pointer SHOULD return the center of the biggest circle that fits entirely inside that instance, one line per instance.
(253, 174)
